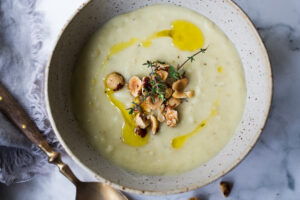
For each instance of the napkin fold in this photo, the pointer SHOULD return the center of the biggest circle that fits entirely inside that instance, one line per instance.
(22, 62)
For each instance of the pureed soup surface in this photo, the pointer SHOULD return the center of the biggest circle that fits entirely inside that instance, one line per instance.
(171, 34)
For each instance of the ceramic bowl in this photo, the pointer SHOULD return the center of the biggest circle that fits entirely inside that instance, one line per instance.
(239, 29)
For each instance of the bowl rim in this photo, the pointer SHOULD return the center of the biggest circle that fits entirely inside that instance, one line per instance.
(234, 164)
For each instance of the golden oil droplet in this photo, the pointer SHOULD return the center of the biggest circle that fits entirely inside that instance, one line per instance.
(220, 69)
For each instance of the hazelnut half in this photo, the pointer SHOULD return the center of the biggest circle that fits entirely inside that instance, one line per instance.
(171, 117)
(154, 124)
(115, 81)
(135, 86)
(173, 102)
(163, 74)
(180, 84)
(149, 105)
(141, 132)
(168, 93)
(225, 188)
(190, 94)
(141, 121)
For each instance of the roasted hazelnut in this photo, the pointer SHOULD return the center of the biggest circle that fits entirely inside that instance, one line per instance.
(179, 95)
(180, 84)
(225, 188)
(173, 102)
(168, 93)
(163, 74)
(135, 86)
(154, 124)
(146, 86)
(171, 117)
(141, 132)
(115, 81)
(141, 121)
(149, 105)
(161, 117)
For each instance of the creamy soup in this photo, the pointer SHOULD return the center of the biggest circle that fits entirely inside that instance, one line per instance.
(171, 34)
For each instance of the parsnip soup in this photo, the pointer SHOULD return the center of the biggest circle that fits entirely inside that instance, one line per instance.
(159, 90)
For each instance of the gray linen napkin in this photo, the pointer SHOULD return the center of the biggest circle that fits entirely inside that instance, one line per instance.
(22, 62)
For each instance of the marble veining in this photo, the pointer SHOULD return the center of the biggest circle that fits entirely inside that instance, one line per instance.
(271, 171)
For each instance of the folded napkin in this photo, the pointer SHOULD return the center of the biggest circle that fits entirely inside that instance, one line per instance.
(22, 62)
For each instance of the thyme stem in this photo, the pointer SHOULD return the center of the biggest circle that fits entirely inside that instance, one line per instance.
(191, 58)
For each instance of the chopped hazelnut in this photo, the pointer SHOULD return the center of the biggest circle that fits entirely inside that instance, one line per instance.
(171, 117)
(179, 95)
(225, 188)
(154, 124)
(173, 102)
(182, 95)
(164, 67)
(179, 85)
(141, 132)
(190, 94)
(146, 84)
(163, 74)
(115, 81)
(149, 105)
(168, 93)
(135, 86)
(161, 117)
(162, 107)
(141, 121)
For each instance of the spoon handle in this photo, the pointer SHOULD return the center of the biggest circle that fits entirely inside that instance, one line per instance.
(14, 111)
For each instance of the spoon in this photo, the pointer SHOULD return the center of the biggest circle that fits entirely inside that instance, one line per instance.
(84, 190)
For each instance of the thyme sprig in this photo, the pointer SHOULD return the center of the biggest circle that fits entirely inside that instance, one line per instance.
(155, 87)
(173, 73)
(191, 58)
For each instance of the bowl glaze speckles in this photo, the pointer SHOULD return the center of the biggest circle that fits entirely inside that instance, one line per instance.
(239, 29)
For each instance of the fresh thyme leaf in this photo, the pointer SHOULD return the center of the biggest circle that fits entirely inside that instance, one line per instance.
(153, 91)
(191, 58)
(149, 63)
(152, 83)
(173, 73)
(135, 107)
(161, 88)
(131, 110)
(136, 104)
(152, 99)
(161, 97)
(160, 62)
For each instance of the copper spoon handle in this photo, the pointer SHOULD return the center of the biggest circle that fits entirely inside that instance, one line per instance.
(13, 110)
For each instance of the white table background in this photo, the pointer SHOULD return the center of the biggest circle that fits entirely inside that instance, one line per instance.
(272, 169)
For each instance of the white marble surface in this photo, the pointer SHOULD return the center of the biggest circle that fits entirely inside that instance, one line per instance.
(271, 171)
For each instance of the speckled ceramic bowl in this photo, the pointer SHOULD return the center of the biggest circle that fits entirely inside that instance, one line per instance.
(233, 21)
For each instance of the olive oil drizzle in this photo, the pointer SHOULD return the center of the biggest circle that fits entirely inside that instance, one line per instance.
(185, 36)
(128, 135)
(179, 141)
